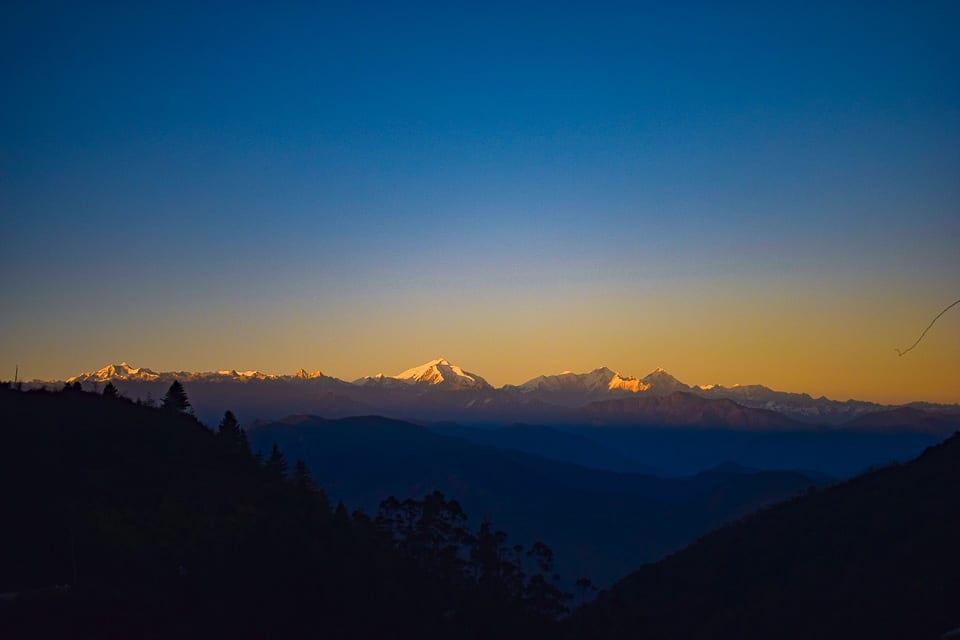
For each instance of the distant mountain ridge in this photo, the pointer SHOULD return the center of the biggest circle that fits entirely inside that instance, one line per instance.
(441, 390)
(686, 409)
(917, 419)
(126, 372)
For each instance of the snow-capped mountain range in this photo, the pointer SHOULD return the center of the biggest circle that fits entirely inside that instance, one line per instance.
(127, 373)
(439, 389)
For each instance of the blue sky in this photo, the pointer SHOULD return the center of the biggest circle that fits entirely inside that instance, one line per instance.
(362, 187)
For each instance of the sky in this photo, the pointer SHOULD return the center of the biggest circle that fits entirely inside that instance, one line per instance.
(746, 193)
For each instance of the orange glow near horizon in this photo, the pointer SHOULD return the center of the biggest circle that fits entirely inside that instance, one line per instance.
(818, 343)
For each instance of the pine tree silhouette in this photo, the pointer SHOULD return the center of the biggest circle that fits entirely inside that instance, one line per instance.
(176, 398)
(276, 466)
(301, 477)
(229, 426)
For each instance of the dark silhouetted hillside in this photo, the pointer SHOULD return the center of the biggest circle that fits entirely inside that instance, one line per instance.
(125, 521)
(875, 557)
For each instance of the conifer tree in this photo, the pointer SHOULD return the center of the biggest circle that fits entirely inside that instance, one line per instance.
(245, 446)
(276, 466)
(342, 522)
(110, 391)
(310, 493)
(234, 437)
(301, 478)
(229, 426)
(176, 398)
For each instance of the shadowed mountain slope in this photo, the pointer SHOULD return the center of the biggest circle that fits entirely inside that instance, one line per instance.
(598, 522)
(549, 442)
(840, 453)
(875, 557)
(684, 409)
(908, 419)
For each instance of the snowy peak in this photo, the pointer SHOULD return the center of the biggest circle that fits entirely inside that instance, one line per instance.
(659, 382)
(303, 374)
(122, 371)
(233, 373)
(596, 381)
(570, 382)
(425, 372)
(436, 374)
(441, 373)
(604, 381)
(626, 383)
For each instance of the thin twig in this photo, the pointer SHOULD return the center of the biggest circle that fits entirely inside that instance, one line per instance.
(908, 349)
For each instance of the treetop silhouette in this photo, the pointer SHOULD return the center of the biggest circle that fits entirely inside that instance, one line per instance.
(176, 398)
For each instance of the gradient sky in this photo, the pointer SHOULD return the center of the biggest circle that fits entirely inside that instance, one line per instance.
(743, 193)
